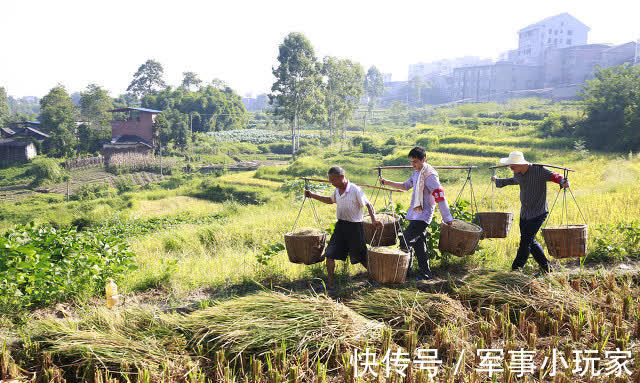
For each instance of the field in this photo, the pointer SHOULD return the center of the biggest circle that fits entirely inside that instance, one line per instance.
(208, 293)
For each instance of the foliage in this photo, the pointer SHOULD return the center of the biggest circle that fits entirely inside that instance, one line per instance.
(46, 170)
(342, 91)
(57, 118)
(255, 136)
(612, 108)
(190, 79)
(268, 251)
(5, 111)
(216, 191)
(41, 265)
(296, 92)
(373, 86)
(615, 242)
(147, 79)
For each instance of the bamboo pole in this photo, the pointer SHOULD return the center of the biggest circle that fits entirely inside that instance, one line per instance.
(361, 185)
(549, 166)
(435, 167)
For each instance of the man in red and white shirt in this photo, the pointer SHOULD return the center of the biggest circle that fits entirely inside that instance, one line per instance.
(348, 235)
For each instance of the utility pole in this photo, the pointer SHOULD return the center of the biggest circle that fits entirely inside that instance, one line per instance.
(636, 58)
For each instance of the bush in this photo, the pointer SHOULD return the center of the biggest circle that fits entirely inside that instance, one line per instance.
(279, 147)
(93, 191)
(125, 184)
(306, 167)
(46, 170)
(559, 125)
(271, 173)
(40, 265)
(428, 142)
(213, 190)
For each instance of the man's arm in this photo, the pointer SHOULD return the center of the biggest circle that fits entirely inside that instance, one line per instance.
(556, 178)
(433, 184)
(502, 182)
(321, 198)
(397, 185)
(372, 214)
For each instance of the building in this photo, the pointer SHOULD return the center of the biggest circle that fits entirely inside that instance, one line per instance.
(572, 65)
(258, 103)
(26, 130)
(131, 132)
(16, 151)
(559, 31)
(429, 70)
(494, 82)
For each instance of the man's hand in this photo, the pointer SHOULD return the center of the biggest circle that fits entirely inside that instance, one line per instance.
(377, 224)
(564, 183)
(382, 181)
(308, 194)
(450, 223)
(493, 179)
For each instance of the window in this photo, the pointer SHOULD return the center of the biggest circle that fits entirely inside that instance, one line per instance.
(569, 32)
(568, 41)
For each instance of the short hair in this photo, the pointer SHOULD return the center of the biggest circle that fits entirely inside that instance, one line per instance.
(336, 171)
(418, 152)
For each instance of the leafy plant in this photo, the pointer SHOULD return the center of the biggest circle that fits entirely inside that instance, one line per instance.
(268, 251)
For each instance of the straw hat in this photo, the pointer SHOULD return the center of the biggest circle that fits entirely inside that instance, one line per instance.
(515, 158)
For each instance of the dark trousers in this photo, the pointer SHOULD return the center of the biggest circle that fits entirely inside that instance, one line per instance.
(528, 244)
(414, 235)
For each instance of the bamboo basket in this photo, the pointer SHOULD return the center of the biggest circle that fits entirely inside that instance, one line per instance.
(307, 249)
(387, 265)
(387, 235)
(460, 239)
(569, 241)
(495, 224)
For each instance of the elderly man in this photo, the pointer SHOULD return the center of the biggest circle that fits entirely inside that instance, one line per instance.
(348, 235)
(533, 197)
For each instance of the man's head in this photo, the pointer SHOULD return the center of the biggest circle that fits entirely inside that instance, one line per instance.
(521, 169)
(516, 162)
(337, 177)
(417, 156)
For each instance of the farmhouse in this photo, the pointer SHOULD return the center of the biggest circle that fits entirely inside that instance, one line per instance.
(131, 132)
(15, 151)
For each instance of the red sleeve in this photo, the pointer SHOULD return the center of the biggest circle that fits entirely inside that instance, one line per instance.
(438, 195)
(555, 177)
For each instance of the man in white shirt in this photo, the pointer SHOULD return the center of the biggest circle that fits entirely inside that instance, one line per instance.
(348, 235)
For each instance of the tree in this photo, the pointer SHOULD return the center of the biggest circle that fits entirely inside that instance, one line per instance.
(416, 84)
(148, 79)
(296, 92)
(373, 89)
(343, 90)
(57, 118)
(190, 79)
(612, 108)
(5, 111)
(95, 104)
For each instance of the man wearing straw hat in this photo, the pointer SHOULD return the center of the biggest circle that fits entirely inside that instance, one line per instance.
(427, 191)
(533, 180)
(348, 235)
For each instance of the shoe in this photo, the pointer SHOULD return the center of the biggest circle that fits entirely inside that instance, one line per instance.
(424, 275)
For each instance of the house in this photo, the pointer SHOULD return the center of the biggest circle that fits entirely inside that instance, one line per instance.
(24, 131)
(16, 151)
(131, 132)
(496, 82)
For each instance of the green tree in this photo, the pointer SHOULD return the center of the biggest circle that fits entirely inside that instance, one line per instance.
(296, 93)
(612, 109)
(95, 104)
(148, 79)
(373, 89)
(190, 79)
(343, 90)
(57, 117)
(5, 110)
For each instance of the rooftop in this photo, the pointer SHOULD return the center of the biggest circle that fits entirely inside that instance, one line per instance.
(135, 109)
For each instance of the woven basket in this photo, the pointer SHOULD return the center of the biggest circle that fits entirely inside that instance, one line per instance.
(384, 237)
(305, 249)
(458, 241)
(495, 224)
(566, 241)
(387, 266)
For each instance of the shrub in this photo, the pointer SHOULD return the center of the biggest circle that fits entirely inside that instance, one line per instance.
(41, 265)
(559, 125)
(46, 170)
(93, 191)
(124, 184)
(429, 142)
(213, 190)
(306, 167)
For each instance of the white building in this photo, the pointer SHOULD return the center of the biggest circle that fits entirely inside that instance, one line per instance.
(444, 67)
(560, 31)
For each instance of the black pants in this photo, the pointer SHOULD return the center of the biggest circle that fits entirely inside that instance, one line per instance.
(414, 235)
(528, 244)
(347, 238)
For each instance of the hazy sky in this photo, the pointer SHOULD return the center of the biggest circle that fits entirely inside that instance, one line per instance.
(75, 43)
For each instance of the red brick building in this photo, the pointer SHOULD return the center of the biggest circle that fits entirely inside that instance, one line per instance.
(131, 132)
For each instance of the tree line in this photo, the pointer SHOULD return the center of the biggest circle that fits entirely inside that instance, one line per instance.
(82, 127)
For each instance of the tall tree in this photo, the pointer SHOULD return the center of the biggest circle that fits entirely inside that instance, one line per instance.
(57, 118)
(190, 79)
(343, 89)
(373, 88)
(296, 93)
(417, 84)
(148, 79)
(5, 111)
(94, 105)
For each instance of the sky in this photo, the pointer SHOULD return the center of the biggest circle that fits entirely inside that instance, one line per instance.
(75, 43)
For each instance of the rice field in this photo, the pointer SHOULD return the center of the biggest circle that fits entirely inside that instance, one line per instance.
(211, 300)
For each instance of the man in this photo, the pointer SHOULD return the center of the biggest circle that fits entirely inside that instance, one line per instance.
(348, 235)
(533, 197)
(427, 191)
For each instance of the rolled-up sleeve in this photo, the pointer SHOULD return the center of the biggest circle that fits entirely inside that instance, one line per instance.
(433, 185)
(362, 198)
(408, 184)
(502, 182)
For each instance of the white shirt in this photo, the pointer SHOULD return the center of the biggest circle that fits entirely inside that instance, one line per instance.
(350, 203)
